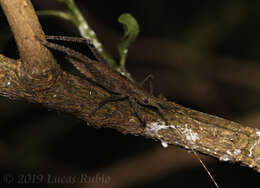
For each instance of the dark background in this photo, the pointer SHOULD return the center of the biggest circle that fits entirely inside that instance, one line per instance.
(204, 55)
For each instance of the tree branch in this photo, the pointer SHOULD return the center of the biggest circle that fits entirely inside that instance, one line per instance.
(37, 78)
(38, 67)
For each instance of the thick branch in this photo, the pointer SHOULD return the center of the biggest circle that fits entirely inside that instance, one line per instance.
(38, 66)
(208, 134)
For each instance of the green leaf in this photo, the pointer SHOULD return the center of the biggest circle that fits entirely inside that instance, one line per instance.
(74, 15)
(131, 31)
(58, 13)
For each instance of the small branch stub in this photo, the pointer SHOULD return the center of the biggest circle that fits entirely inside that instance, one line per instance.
(38, 68)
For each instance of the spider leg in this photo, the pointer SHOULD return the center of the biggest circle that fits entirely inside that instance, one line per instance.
(148, 79)
(137, 110)
(81, 68)
(68, 51)
(80, 40)
(111, 98)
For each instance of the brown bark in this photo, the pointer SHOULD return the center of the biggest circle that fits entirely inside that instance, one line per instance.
(38, 67)
(37, 78)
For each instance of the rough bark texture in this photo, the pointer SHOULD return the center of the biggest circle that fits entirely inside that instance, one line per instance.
(37, 78)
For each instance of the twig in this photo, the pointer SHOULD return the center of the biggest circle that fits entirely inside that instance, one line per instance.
(37, 66)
